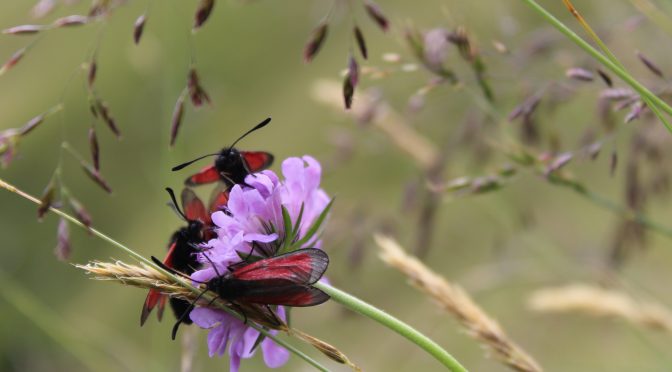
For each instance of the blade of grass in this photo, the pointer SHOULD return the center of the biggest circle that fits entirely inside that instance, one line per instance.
(612, 57)
(644, 92)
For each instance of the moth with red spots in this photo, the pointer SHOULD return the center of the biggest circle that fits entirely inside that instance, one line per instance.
(283, 280)
(182, 247)
(231, 165)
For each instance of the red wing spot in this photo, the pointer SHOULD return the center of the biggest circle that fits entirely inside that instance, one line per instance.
(208, 174)
(287, 295)
(219, 201)
(304, 266)
(193, 207)
(257, 160)
(168, 261)
(153, 298)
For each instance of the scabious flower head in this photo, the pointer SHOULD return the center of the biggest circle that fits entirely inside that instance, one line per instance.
(264, 217)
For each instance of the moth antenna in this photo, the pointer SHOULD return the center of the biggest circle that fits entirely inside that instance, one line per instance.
(258, 126)
(183, 165)
(185, 313)
(175, 205)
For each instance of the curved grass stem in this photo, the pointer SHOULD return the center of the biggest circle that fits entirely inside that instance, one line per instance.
(355, 304)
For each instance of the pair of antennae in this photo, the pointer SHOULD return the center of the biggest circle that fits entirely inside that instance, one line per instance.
(256, 127)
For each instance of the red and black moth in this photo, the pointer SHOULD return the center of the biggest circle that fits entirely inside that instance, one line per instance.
(231, 165)
(182, 247)
(283, 280)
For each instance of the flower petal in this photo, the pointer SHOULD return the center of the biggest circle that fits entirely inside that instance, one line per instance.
(312, 174)
(222, 219)
(234, 363)
(205, 317)
(248, 340)
(261, 238)
(217, 340)
(262, 183)
(203, 275)
(292, 169)
(274, 355)
(236, 202)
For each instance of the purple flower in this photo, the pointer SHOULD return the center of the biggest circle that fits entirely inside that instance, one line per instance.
(254, 223)
(225, 330)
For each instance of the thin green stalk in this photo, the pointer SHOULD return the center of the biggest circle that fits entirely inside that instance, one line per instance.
(132, 253)
(612, 57)
(357, 305)
(645, 93)
(603, 202)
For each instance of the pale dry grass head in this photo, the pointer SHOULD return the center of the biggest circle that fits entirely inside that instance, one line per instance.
(142, 276)
(145, 276)
(458, 303)
(325, 348)
(592, 300)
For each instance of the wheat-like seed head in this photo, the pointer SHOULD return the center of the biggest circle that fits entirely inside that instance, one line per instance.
(145, 276)
(456, 301)
(142, 276)
(591, 300)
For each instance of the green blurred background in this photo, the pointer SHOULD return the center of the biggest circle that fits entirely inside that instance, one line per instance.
(500, 246)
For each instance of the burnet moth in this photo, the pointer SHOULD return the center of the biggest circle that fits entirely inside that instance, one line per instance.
(182, 247)
(231, 166)
(283, 280)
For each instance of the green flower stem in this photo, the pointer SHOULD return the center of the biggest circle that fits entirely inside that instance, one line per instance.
(139, 257)
(646, 94)
(357, 305)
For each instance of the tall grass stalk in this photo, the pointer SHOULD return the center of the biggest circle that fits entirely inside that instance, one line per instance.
(654, 102)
